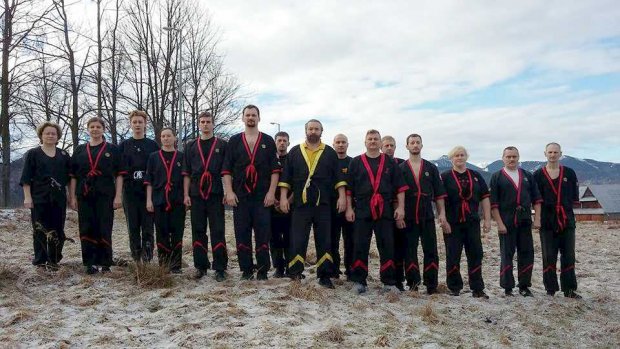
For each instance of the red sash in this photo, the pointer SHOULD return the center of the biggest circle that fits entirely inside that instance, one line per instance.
(251, 174)
(168, 187)
(94, 171)
(376, 201)
(464, 200)
(206, 175)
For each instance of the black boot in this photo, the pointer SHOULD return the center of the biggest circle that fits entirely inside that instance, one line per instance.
(525, 292)
(247, 275)
(326, 282)
(479, 294)
(572, 294)
(220, 275)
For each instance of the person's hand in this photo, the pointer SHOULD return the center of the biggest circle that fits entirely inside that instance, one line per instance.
(350, 215)
(400, 224)
(187, 201)
(537, 223)
(486, 226)
(285, 205)
(341, 204)
(399, 213)
(270, 199)
(231, 199)
(149, 206)
(118, 203)
(73, 204)
(28, 203)
(501, 228)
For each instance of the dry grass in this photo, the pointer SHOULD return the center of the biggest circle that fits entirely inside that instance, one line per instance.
(8, 275)
(429, 315)
(151, 276)
(334, 334)
(234, 310)
(305, 292)
(392, 297)
(504, 340)
(382, 341)
(17, 317)
(222, 335)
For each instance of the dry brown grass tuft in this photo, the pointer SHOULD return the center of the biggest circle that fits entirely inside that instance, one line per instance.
(307, 292)
(442, 288)
(334, 334)
(166, 293)
(382, 341)
(429, 315)
(222, 335)
(504, 340)
(8, 275)
(17, 317)
(151, 275)
(392, 297)
(87, 303)
(234, 310)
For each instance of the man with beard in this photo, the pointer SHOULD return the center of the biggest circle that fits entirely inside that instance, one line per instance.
(311, 173)
(280, 221)
(135, 152)
(513, 192)
(560, 191)
(250, 174)
(340, 225)
(373, 181)
(425, 186)
(203, 192)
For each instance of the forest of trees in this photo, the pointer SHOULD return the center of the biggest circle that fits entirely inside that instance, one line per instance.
(66, 66)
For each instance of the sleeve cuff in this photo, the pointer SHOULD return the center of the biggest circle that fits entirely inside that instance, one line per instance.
(539, 201)
(441, 197)
(225, 172)
(403, 189)
(340, 184)
(122, 173)
(486, 196)
(284, 185)
(348, 192)
(184, 173)
(494, 205)
(147, 183)
(277, 170)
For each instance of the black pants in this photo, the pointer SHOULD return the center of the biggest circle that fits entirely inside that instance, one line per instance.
(96, 217)
(303, 219)
(339, 226)
(552, 243)
(211, 213)
(414, 233)
(384, 234)
(517, 239)
(280, 240)
(48, 223)
(251, 214)
(139, 226)
(464, 235)
(169, 226)
(400, 252)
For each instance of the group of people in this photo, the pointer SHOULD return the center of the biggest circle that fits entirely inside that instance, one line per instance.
(281, 195)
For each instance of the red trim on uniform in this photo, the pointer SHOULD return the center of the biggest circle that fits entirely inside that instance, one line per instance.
(206, 175)
(465, 208)
(431, 266)
(506, 268)
(162, 247)
(376, 200)
(561, 216)
(225, 172)
(276, 171)
(91, 240)
(569, 268)
(147, 183)
(122, 173)
(218, 245)
(475, 270)
(251, 175)
(199, 244)
(184, 173)
(517, 188)
(262, 247)
(106, 242)
(549, 268)
(526, 269)
(454, 269)
(348, 192)
(360, 264)
(486, 196)
(402, 189)
(412, 266)
(179, 245)
(440, 197)
(389, 263)
(494, 205)
(168, 186)
(417, 181)
(243, 247)
(93, 164)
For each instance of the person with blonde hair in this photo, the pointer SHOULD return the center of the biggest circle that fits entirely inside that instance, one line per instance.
(135, 152)
(44, 180)
(466, 191)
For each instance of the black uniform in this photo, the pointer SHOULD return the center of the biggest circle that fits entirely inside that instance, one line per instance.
(251, 171)
(135, 153)
(47, 178)
(424, 188)
(514, 203)
(204, 165)
(464, 192)
(400, 243)
(373, 182)
(557, 232)
(164, 172)
(96, 169)
(340, 225)
(280, 231)
(313, 184)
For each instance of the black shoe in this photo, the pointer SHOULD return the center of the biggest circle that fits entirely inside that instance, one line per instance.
(247, 275)
(279, 273)
(454, 293)
(550, 293)
(508, 292)
(400, 287)
(412, 287)
(261, 275)
(199, 274)
(90, 270)
(176, 271)
(525, 292)
(105, 269)
(431, 291)
(326, 282)
(479, 294)
(572, 294)
(52, 267)
(220, 275)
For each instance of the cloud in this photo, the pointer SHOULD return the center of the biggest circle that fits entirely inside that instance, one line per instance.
(482, 74)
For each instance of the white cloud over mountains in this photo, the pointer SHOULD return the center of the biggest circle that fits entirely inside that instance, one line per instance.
(483, 74)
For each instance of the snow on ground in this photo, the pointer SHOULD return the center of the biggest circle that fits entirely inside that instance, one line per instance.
(71, 309)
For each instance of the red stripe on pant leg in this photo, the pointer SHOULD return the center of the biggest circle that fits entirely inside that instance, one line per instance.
(389, 263)
(526, 269)
(262, 247)
(218, 245)
(162, 247)
(199, 244)
(92, 241)
(360, 264)
(506, 268)
(475, 270)
(431, 266)
(180, 245)
(570, 267)
(549, 268)
(105, 242)
(412, 266)
(243, 247)
(454, 269)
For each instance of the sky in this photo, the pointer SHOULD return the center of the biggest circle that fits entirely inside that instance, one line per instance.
(482, 74)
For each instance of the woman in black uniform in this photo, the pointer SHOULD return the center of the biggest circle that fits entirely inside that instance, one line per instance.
(164, 198)
(96, 191)
(44, 180)
(466, 190)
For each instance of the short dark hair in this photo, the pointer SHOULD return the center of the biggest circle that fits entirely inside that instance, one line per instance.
(373, 131)
(45, 125)
(96, 119)
(250, 106)
(413, 135)
(206, 114)
(313, 120)
(282, 134)
(174, 132)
